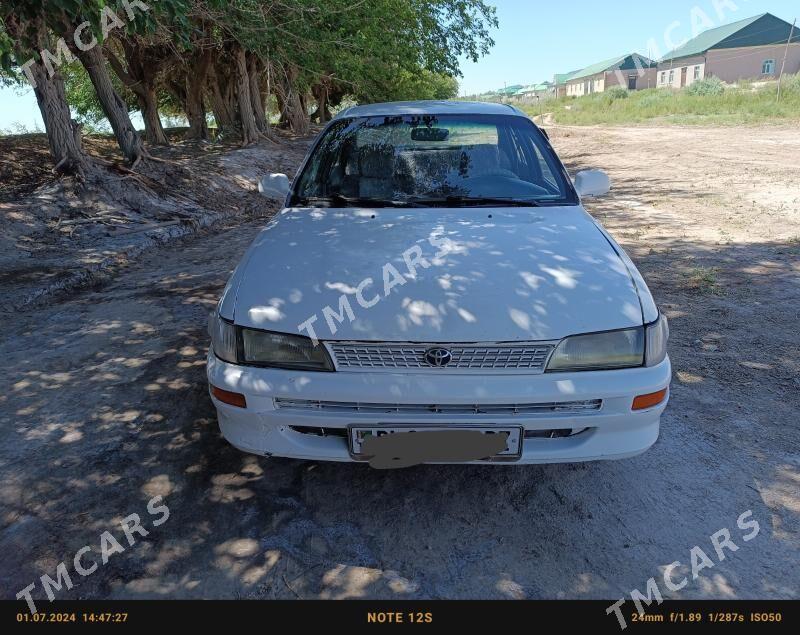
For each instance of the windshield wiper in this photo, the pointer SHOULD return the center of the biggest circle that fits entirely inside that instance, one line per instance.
(352, 201)
(447, 201)
(477, 201)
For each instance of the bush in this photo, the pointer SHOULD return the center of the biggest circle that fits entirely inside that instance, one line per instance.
(707, 87)
(791, 84)
(616, 92)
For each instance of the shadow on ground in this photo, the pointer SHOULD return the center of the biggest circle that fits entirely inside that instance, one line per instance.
(106, 406)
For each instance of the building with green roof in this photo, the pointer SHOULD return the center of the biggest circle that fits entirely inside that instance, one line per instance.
(752, 48)
(508, 91)
(560, 83)
(631, 71)
(535, 91)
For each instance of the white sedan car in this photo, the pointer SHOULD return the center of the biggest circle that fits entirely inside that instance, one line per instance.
(433, 291)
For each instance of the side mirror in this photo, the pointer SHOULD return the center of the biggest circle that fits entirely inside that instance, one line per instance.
(274, 186)
(592, 183)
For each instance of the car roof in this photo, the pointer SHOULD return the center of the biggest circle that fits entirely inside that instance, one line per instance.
(431, 108)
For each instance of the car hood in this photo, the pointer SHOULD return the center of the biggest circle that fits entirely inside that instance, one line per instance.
(433, 275)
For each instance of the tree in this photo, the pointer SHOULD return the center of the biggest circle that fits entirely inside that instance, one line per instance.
(70, 17)
(234, 56)
(192, 79)
(378, 51)
(143, 61)
(23, 34)
(138, 55)
(241, 32)
(84, 26)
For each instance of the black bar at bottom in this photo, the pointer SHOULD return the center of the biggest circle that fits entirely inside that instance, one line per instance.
(414, 614)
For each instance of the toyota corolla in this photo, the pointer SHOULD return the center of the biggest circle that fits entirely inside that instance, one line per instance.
(433, 291)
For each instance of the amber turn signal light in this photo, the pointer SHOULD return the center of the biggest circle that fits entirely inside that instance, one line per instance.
(228, 397)
(649, 400)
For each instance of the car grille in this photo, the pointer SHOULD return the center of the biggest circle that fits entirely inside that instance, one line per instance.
(352, 407)
(529, 357)
(341, 433)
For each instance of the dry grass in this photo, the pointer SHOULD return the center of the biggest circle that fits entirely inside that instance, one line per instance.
(703, 280)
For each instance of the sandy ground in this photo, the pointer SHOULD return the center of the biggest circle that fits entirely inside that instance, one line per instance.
(104, 405)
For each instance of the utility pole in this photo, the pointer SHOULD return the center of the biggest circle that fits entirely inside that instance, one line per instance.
(785, 55)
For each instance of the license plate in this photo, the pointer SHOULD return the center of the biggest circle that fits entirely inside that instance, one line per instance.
(358, 435)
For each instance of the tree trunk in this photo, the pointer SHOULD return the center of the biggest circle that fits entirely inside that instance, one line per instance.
(222, 101)
(195, 104)
(297, 114)
(248, 120)
(293, 108)
(113, 105)
(283, 121)
(148, 104)
(63, 134)
(258, 95)
(322, 114)
(195, 109)
(336, 95)
(143, 64)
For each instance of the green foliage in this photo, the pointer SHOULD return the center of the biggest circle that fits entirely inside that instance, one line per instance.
(372, 47)
(83, 99)
(375, 50)
(706, 87)
(402, 84)
(61, 15)
(616, 92)
(438, 86)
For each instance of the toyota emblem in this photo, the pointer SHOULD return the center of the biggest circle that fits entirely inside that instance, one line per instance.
(438, 357)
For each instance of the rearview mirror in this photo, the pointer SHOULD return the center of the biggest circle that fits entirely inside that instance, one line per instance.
(274, 186)
(592, 183)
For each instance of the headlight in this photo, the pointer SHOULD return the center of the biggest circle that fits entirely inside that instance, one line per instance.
(263, 348)
(596, 351)
(657, 336)
(283, 351)
(223, 338)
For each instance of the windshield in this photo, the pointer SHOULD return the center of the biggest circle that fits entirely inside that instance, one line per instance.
(418, 160)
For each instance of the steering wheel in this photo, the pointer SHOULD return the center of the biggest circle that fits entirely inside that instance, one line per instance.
(502, 183)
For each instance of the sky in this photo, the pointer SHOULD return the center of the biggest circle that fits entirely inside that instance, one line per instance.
(537, 38)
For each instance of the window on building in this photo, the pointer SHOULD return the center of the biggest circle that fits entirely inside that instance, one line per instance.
(664, 77)
(768, 67)
(697, 72)
(671, 76)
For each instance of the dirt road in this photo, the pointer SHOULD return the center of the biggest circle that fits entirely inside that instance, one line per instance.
(104, 405)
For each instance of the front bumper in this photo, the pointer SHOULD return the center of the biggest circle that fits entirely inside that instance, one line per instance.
(612, 432)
